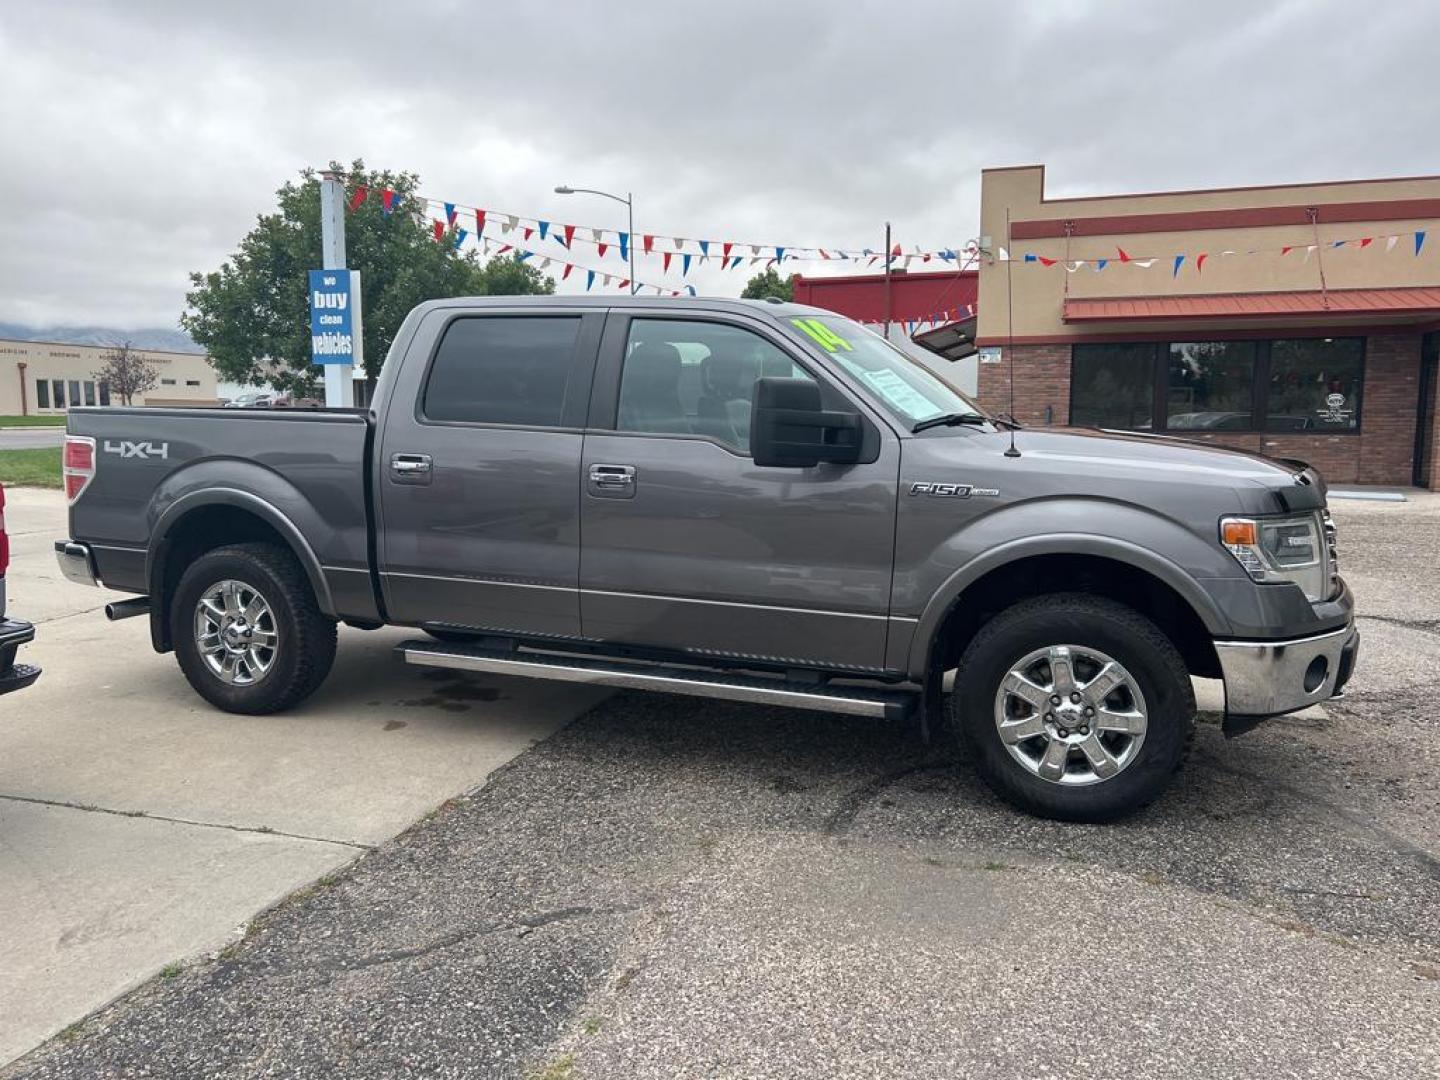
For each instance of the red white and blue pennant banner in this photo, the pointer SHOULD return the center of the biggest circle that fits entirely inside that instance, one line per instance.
(1414, 243)
(673, 251)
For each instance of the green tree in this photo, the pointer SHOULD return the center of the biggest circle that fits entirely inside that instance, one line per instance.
(769, 284)
(253, 314)
(126, 371)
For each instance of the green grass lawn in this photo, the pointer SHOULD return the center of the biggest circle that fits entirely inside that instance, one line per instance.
(58, 420)
(31, 468)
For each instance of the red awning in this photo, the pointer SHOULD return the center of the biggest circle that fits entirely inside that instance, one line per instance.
(1340, 303)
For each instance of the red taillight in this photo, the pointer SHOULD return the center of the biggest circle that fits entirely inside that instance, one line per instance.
(78, 465)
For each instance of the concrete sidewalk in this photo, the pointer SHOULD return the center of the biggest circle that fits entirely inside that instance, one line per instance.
(30, 438)
(139, 826)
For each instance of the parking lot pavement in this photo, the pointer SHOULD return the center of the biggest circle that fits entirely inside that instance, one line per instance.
(31, 438)
(140, 827)
(678, 888)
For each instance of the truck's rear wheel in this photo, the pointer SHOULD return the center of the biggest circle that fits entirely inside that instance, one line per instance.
(248, 633)
(1074, 707)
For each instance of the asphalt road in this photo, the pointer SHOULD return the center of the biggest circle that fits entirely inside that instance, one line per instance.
(138, 826)
(668, 888)
(31, 438)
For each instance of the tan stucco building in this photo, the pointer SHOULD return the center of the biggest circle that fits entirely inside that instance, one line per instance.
(46, 378)
(1297, 320)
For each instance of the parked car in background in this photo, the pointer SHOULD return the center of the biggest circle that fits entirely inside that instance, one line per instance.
(13, 632)
(257, 399)
(746, 500)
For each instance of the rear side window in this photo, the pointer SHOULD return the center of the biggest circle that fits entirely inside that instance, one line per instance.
(503, 371)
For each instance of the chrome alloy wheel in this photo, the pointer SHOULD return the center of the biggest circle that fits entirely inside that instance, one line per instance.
(235, 632)
(1070, 714)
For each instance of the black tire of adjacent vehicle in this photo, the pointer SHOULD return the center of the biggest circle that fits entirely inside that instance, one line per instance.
(306, 648)
(1113, 628)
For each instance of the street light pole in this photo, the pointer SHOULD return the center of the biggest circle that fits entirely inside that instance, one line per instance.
(629, 201)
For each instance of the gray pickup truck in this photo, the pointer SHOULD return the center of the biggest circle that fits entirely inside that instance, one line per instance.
(754, 501)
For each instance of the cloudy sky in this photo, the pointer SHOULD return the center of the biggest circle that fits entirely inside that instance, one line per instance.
(142, 138)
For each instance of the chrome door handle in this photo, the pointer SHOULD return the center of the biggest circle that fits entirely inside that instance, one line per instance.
(612, 476)
(410, 468)
(612, 481)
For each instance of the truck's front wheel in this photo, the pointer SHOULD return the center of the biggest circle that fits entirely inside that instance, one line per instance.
(248, 633)
(1074, 707)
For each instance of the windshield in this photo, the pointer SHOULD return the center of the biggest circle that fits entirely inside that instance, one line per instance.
(899, 383)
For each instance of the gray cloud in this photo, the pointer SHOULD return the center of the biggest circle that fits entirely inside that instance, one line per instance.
(145, 137)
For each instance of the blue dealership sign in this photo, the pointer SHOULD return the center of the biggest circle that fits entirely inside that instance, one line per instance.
(335, 317)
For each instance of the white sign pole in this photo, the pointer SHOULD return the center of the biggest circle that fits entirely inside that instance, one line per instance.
(339, 379)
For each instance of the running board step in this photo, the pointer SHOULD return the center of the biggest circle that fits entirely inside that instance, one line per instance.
(851, 700)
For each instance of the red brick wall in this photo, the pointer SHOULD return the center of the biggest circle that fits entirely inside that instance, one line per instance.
(1042, 378)
(1382, 454)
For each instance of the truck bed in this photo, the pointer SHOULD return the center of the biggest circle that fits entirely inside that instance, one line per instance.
(154, 465)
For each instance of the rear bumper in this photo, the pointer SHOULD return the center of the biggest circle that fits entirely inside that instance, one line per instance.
(13, 676)
(1269, 678)
(77, 562)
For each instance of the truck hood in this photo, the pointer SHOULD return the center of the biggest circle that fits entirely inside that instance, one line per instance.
(1263, 484)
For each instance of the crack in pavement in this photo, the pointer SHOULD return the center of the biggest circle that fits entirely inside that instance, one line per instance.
(262, 830)
(73, 614)
(1424, 626)
(853, 801)
(1397, 843)
(457, 937)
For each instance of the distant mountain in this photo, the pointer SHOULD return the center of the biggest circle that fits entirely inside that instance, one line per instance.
(150, 338)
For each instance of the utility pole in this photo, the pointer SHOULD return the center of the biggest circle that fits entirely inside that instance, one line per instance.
(889, 308)
(339, 378)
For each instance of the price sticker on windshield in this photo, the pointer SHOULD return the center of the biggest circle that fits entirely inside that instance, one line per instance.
(822, 335)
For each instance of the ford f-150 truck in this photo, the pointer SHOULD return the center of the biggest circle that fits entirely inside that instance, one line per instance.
(13, 632)
(745, 500)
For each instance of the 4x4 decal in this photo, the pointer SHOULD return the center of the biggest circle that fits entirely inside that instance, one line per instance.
(126, 449)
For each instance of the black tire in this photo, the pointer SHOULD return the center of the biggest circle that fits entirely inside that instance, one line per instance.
(1082, 620)
(305, 646)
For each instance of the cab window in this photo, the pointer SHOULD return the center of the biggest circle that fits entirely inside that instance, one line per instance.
(692, 377)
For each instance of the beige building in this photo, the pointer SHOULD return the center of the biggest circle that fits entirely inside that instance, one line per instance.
(1301, 321)
(46, 378)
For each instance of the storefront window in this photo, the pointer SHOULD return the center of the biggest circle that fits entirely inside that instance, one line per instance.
(1210, 386)
(1289, 384)
(1112, 386)
(1315, 384)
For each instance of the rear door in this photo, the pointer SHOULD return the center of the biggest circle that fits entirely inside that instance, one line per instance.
(687, 544)
(479, 470)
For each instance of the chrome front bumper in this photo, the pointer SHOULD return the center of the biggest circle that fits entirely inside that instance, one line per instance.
(1268, 678)
(76, 562)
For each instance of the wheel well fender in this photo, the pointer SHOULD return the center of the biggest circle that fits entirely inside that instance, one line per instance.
(209, 518)
(1034, 566)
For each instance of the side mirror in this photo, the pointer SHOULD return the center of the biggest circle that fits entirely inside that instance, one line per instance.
(788, 427)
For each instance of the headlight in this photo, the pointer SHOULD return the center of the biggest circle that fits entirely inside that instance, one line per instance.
(1280, 549)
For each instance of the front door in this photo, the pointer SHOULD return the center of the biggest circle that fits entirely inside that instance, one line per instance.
(478, 471)
(688, 545)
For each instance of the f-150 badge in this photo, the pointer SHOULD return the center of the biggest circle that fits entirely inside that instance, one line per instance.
(949, 491)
